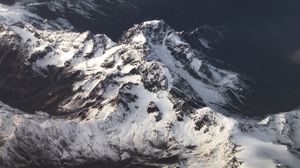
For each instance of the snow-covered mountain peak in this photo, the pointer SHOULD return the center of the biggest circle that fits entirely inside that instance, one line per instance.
(152, 52)
(155, 138)
(149, 33)
(154, 98)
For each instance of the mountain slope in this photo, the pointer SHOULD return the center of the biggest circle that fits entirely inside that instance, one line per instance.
(74, 72)
(204, 138)
(150, 99)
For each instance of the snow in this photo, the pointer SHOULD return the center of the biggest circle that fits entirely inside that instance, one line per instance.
(88, 47)
(94, 65)
(94, 137)
(15, 13)
(113, 132)
(153, 22)
(204, 43)
(25, 35)
(51, 59)
(196, 64)
(140, 38)
(258, 153)
(209, 95)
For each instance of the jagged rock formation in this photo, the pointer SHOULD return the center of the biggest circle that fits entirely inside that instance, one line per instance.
(151, 99)
(203, 138)
(73, 72)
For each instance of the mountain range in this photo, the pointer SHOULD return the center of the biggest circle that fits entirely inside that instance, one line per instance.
(150, 96)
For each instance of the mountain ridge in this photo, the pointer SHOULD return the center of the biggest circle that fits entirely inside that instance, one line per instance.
(157, 97)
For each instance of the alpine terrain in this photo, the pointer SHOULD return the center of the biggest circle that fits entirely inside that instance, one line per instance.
(151, 96)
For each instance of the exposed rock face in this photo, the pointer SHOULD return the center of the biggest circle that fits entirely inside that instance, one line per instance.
(151, 99)
(69, 73)
(135, 138)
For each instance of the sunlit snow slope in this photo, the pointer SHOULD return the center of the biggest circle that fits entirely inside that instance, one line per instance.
(150, 99)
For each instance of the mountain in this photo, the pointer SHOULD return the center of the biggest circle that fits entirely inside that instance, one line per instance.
(156, 97)
(249, 37)
(64, 71)
(120, 138)
(50, 88)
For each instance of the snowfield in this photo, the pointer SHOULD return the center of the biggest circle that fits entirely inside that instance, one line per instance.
(205, 139)
(149, 99)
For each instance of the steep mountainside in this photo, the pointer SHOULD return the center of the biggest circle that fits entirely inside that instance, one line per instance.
(251, 39)
(72, 71)
(154, 98)
(49, 61)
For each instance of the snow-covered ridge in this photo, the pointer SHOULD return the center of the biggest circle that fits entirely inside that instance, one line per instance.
(203, 139)
(101, 67)
(148, 99)
(19, 13)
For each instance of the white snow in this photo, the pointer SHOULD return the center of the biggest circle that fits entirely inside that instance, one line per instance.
(112, 132)
(88, 47)
(140, 38)
(24, 34)
(204, 43)
(94, 65)
(208, 94)
(258, 153)
(15, 13)
(153, 22)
